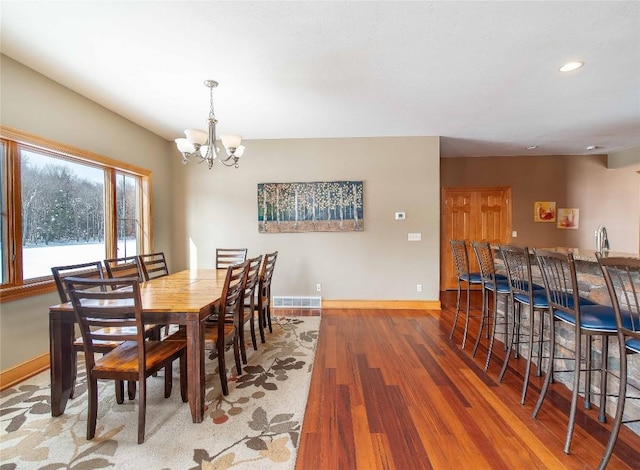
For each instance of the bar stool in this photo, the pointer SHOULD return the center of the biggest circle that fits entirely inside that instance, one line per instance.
(622, 276)
(587, 318)
(524, 293)
(495, 285)
(461, 260)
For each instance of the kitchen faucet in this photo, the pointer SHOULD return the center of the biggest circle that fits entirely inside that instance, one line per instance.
(602, 241)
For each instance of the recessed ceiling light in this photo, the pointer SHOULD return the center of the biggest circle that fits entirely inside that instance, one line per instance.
(532, 147)
(592, 147)
(570, 66)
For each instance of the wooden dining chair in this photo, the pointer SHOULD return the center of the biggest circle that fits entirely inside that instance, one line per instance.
(263, 294)
(219, 332)
(92, 270)
(622, 277)
(226, 257)
(111, 310)
(247, 315)
(153, 265)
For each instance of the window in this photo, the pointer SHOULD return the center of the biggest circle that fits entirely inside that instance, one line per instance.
(3, 208)
(64, 206)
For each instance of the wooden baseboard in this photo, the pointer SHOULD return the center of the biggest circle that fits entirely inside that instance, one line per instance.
(390, 304)
(16, 374)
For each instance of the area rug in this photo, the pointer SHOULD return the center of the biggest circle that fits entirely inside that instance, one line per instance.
(257, 426)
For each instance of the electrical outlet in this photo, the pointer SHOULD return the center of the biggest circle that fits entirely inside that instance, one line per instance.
(319, 287)
(419, 287)
(414, 237)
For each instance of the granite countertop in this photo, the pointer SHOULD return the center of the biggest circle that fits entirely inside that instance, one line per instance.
(584, 254)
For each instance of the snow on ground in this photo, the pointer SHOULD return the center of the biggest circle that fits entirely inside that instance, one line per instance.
(38, 260)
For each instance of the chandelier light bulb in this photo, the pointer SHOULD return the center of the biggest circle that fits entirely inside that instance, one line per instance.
(571, 66)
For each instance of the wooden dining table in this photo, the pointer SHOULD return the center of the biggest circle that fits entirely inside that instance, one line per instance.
(183, 298)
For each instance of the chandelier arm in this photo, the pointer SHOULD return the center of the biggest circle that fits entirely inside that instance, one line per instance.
(230, 161)
(189, 155)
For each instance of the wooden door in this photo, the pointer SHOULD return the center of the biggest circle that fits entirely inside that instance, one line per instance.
(472, 214)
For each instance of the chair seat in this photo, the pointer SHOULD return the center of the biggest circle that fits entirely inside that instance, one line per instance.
(105, 346)
(539, 299)
(596, 318)
(501, 277)
(210, 334)
(124, 358)
(212, 320)
(634, 345)
(525, 286)
(502, 286)
(471, 278)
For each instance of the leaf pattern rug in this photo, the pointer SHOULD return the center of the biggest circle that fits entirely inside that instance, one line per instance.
(257, 426)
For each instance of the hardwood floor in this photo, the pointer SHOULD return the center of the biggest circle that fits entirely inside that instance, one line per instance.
(389, 390)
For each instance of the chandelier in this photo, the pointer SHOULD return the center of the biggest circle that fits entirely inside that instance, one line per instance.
(193, 146)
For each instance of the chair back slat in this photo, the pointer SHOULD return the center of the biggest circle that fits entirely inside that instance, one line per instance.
(517, 264)
(231, 299)
(460, 257)
(484, 255)
(153, 265)
(558, 272)
(253, 276)
(232, 291)
(266, 274)
(129, 266)
(622, 277)
(92, 270)
(226, 257)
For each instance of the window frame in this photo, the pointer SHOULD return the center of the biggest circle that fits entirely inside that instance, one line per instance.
(16, 287)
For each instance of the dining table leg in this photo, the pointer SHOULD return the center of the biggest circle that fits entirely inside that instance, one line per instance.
(195, 369)
(61, 337)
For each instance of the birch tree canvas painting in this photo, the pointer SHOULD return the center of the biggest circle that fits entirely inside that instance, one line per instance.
(331, 206)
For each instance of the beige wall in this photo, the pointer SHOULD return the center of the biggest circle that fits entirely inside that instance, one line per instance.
(399, 174)
(32, 103)
(604, 196)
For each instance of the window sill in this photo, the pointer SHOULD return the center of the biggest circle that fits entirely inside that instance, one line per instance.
(8, 294)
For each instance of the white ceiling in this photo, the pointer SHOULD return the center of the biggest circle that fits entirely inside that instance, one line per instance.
(483, 75)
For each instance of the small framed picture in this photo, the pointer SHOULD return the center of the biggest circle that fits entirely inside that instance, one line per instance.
(568, 218)
(544, 211)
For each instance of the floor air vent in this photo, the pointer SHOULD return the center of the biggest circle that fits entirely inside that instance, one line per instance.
(297, 302)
